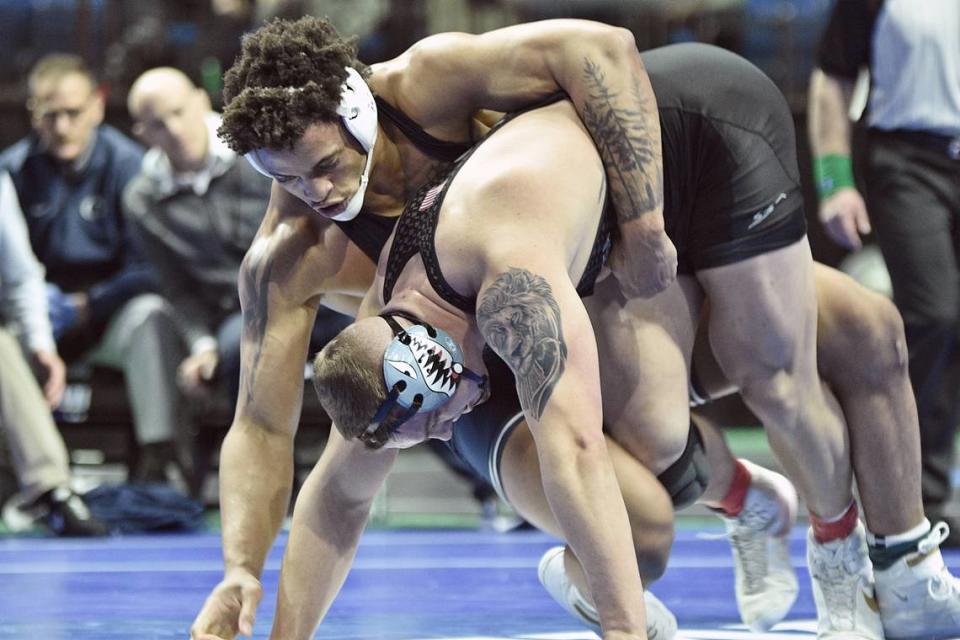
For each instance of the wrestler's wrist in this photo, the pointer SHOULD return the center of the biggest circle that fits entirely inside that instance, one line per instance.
(650, 221)
(236, 571)
(832, 172)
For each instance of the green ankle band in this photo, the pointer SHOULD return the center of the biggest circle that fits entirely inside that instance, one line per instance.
(831, 173)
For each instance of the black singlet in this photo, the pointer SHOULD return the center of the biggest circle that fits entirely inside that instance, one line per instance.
(370, 233)
(417, 226)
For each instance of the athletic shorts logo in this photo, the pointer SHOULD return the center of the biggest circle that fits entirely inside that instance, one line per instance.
(764, 213)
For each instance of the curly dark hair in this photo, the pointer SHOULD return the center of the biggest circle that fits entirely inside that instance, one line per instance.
(288, 76)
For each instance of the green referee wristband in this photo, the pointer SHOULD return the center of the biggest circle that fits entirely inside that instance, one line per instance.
(831, 173)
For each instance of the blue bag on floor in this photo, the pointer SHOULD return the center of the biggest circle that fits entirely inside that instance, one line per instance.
(142, 508)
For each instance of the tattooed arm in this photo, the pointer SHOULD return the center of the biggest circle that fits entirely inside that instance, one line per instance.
(538, 325)
(599, 67)
(281, 281)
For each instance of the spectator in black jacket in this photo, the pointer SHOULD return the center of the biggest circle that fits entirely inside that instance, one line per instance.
(69, 175)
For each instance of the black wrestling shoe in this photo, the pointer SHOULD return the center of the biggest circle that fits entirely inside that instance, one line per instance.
(68, 515)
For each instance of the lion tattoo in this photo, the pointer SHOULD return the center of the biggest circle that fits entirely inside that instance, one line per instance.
(520, 320)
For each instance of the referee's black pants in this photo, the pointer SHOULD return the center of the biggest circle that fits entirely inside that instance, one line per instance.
(913, 199)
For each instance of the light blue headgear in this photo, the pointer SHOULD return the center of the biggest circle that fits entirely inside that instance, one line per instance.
(422, 367)
(358, 113)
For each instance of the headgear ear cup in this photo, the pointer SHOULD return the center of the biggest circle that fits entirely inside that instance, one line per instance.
(358, 110)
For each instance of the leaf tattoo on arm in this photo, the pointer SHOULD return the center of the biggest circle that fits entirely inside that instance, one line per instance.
(622, 136)
(520, 320)
(255, 322)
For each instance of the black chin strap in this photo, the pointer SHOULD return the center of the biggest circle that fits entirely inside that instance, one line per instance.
(379, 421)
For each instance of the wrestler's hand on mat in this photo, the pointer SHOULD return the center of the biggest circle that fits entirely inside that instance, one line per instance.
(844, 218)
(644, 261)
(230, 609)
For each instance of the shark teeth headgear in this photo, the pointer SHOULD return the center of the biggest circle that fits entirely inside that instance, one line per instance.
(422, 367)
(428, 366)
(358, 113)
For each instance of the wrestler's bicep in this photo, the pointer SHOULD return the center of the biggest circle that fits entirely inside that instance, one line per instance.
(273, 350)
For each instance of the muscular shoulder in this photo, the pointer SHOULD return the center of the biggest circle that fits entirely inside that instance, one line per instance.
(430, 83)
(536, 162)
(292, 259)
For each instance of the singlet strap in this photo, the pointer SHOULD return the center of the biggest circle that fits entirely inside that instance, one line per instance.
(442, 150)
(370, 233)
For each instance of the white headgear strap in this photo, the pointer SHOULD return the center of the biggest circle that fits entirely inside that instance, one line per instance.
(358, 113)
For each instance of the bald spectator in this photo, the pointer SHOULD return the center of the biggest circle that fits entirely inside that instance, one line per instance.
(69, 175)
(196, 207)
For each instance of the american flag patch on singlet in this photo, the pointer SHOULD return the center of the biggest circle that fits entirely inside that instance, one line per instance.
(430, 197)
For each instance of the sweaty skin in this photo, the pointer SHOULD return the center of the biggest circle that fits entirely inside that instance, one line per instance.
(546, 335)
(299, 259)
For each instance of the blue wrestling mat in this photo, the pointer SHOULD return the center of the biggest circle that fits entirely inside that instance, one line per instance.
(405, 585)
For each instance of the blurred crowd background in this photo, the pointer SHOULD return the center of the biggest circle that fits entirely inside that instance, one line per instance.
(120, 39)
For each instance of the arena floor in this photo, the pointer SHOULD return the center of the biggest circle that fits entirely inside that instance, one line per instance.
(405, 585)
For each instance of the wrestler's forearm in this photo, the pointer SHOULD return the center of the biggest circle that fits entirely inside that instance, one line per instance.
(256, 467)
(323, 542)
(608, 83)
(584, 496)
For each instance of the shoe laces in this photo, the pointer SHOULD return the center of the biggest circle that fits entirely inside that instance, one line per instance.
(751, 549)
(942, 586)
(837, 571)
(748, 538)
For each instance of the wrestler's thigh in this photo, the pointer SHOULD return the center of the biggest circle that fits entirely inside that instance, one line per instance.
(644, 347)
(763, 314)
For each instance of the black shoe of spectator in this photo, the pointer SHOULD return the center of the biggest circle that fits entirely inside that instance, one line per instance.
(68, 515)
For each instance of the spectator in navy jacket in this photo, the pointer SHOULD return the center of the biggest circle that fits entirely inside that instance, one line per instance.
(69, 175)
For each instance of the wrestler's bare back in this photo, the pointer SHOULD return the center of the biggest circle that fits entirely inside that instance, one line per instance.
(536, 187)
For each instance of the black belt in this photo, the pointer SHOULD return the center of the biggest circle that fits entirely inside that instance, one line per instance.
(948, 145)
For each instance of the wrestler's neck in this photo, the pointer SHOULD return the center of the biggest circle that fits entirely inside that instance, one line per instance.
(384, 195)
(397, 171)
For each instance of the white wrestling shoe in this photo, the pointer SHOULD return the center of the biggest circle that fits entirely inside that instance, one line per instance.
(918, 596)
(842, 578)
(661, 624)
(766, 584)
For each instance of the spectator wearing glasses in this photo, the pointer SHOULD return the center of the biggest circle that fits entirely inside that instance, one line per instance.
(69, 174)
